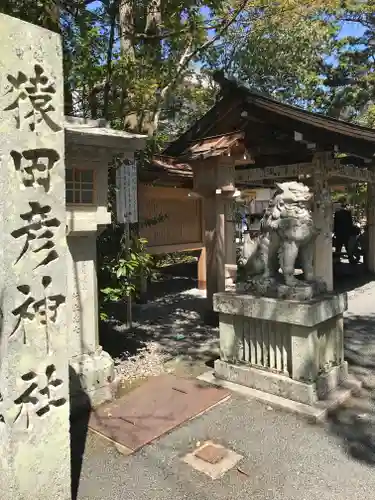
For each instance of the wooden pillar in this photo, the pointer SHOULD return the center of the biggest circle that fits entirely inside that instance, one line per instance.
(214, 181)
(209, 210)
(220, 243)
(230, 243)
(226, 185)
(323, 262)
(202, 270)
(371, 226)
(142, 289)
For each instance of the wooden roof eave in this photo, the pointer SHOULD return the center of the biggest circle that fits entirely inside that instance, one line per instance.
(313, 119)
(325, 132)
(324, 138)
(213, 146)
(202, 126)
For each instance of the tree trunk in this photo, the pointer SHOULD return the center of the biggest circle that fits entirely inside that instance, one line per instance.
(112, 11)
(126, 20)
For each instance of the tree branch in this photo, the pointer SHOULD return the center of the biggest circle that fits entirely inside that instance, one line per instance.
(187, 56)
(169, 34)
(165, 89)
(224, 27)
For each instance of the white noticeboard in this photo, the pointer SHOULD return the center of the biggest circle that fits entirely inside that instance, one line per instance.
(127, 190)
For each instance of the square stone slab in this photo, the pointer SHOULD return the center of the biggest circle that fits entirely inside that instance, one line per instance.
(212, 459)
(211, 453)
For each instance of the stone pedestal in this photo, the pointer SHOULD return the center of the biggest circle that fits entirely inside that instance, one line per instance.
(34, 379)
(287, 348)
(92, 380)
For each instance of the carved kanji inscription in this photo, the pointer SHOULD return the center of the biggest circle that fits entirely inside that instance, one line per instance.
(42, 311)
(39, 231)
(2, 420)
(33, 99)
(34, 166)
(38, 398)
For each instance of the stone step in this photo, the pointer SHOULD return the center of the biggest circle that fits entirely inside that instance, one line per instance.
(316, 413)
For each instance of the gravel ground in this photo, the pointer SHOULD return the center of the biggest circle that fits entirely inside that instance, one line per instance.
(168, 334)
(148, 362)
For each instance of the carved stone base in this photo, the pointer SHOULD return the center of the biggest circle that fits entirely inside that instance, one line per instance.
(308, 393)
(276, 288)
(92, 380)
(287, 348)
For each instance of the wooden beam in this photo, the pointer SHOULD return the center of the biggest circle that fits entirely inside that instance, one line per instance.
(263, 138)
(162, 192)
(276, 173)
(290, 158)
(336, 169)
(179, 247)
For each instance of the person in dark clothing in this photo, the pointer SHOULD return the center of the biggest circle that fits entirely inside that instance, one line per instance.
(343, 228)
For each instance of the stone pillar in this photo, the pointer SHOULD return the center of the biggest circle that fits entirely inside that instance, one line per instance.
(34, 378)
(323, 263)
(92, 368)
(371, 226)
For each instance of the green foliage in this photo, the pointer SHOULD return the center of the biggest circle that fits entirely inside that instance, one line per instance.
(41, 12)
(134, 63)
(279, 50)
(122, 262)
(349, 77)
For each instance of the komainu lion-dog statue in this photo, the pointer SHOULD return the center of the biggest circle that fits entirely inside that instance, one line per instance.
(287, 234)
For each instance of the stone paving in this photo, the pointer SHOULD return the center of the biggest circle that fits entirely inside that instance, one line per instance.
(284, 457)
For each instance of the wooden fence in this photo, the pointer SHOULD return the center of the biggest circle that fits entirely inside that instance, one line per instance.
(182, 227)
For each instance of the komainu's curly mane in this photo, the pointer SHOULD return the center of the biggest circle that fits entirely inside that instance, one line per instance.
(287, 231)
(290, 200)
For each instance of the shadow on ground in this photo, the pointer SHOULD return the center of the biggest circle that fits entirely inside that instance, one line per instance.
(79, 423)
(173, 317)
(348, 277)
(354, 422)
(175, 322)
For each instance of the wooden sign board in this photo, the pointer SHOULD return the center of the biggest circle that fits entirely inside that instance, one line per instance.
(127, 191)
